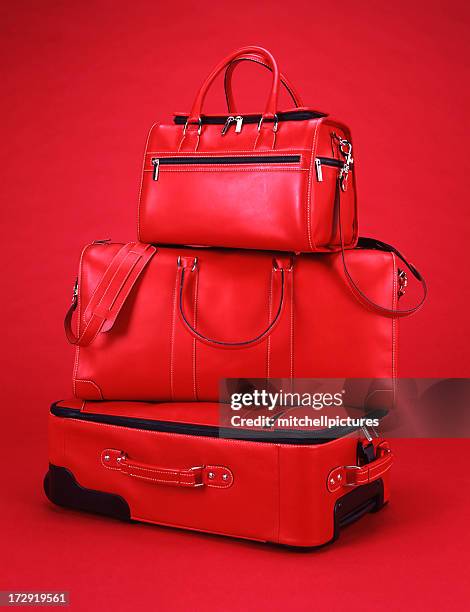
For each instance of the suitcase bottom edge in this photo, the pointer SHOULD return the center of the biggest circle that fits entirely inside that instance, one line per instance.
(62, 489)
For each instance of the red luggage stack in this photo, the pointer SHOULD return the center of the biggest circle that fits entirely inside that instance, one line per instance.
(158, 327)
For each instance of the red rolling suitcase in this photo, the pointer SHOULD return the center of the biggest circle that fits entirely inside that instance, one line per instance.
(167, 464)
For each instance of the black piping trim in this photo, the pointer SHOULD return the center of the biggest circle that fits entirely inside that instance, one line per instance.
(221, 119)
(241, 159)
(211, 431)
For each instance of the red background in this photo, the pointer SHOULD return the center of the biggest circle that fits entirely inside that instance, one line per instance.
(83, 82)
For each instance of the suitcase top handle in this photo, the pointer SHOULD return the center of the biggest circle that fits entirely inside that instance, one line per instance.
(258, 59)
(194, 118)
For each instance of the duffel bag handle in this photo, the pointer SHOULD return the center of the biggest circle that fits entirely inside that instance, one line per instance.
(253, 57)
(217, 476)
(194, 118)
(189, 266)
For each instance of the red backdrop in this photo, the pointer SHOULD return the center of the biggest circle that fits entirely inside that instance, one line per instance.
(83, 82)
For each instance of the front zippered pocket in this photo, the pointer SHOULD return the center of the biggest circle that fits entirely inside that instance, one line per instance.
(212, 431)
(330, 162)
(223, 161)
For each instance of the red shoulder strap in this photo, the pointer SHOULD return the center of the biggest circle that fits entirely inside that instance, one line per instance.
(111, 293)
(372, 243)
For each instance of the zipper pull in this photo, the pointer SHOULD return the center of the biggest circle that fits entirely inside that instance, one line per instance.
(238, 127)
(345, 148)
(227, 124)
(156, 168)
(402, 282)
(75, 294)
(318, 169)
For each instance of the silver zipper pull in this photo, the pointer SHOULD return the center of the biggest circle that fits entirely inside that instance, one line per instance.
(156, 168)
(238, 127)
(227, 124)
(75, 293)
(318, 169)
(402, 282)
(345, 148)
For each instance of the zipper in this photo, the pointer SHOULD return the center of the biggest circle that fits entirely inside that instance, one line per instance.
(258, 159)
(238, 120)
(210, 431)
(222, 120)
(326, 161)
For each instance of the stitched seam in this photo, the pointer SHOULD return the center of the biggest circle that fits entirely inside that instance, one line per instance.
(159, 480)
(172, 341)
(394, 326)
(78, 319)
(270, 314)
(278, 493)
(161, 471)
(100, 285)
(217, 168)
(291, 276)
(217, 153)
(226, 470)
(139, 202)
(196, 289)
(108, 467)
(121, 283)
(309, 189)
(189, 437)
(84, 380)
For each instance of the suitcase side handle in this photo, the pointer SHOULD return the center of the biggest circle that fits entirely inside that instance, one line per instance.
(355, 475)
(189, 266)
(217, 476)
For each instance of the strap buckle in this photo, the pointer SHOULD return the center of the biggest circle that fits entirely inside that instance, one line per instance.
(200, 483)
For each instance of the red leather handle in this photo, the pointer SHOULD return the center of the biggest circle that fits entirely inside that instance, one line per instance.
(258, 60)
(111, 293)
(271, 105)
(354, 476)
(380, 246)
(217, 476)
(189, 266)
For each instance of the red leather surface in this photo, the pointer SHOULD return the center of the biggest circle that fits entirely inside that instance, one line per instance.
(82, 83)
(285, 486)
(277, 206)
(322, 331)
(268, 206)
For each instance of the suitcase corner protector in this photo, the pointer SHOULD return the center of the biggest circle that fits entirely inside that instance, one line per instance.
(62, 489)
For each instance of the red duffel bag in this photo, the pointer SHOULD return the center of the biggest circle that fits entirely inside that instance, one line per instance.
(252, 181)
(161, 323)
